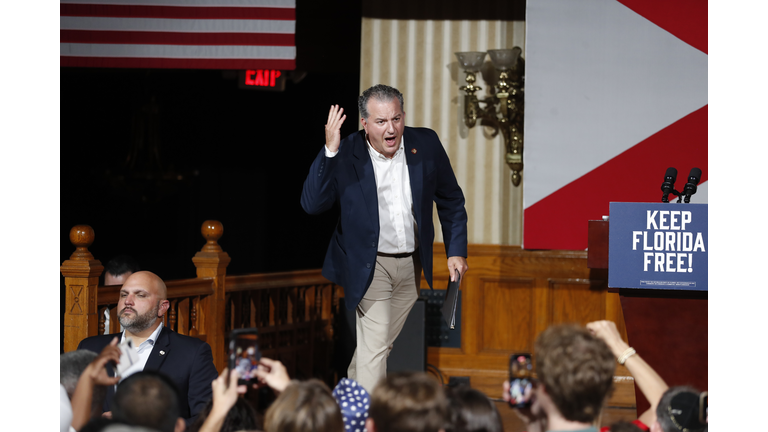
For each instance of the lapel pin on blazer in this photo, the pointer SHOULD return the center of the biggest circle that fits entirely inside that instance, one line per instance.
(413, 151)
(162, 353)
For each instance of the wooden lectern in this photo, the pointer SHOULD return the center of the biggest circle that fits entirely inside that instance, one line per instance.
(668, 328)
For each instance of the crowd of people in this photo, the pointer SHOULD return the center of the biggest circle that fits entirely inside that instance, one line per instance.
(574, 369)
(148, 377)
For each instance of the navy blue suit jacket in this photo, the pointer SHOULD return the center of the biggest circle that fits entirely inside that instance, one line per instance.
(186, 360)
(349, 179)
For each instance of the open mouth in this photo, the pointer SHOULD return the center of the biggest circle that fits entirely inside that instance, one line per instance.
(390, 141)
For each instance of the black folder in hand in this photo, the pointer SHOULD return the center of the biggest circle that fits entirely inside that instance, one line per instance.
(451, 301)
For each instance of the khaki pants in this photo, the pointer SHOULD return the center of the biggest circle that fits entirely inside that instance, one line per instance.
(381, 314)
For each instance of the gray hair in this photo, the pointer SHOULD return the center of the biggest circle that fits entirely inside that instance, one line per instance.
(379, 92)
(72, 365)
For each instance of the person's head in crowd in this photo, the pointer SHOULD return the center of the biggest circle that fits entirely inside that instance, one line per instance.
(72, 365)
(240, 417)
(148, 399)
(471, 411)
(407, 402)
(575, 375)
(304, 406)
(354, 402)
(119, 268)
(681, 408)
(142, 303)
(624, 426)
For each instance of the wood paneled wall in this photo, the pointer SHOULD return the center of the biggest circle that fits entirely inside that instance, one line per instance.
(511, 295)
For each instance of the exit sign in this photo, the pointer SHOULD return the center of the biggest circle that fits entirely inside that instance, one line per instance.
(262, 79)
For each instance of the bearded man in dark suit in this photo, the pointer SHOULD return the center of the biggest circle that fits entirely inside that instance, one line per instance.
(187, 361)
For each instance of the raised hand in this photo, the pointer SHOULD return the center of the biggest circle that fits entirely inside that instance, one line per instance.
(533, 422)
(607, 331)
(333, 128)
(96, 373)
(225, 394)
(273, 374)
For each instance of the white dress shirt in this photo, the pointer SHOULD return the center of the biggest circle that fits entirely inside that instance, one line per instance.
(143, 350)
(398, 232)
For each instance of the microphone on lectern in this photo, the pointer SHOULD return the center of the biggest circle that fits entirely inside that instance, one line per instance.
(668, 186)
(693, 179)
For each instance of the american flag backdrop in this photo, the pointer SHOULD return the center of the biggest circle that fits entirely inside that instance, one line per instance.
(182, 34)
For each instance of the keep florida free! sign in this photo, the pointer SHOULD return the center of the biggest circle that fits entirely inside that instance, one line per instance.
(658, 246)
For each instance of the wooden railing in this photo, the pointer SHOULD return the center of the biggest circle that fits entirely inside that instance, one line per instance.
(292, 310)
(509, 296)
(294, 314)
(184, 296)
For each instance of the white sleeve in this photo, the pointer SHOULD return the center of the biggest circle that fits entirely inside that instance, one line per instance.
(329, 153)
(65, 411)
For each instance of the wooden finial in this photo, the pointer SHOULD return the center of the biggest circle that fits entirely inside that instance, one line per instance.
(81, 236)
(211, 263)
(81, 276)
(212, 231)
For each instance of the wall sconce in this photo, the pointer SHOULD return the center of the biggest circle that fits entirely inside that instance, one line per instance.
(504, 107)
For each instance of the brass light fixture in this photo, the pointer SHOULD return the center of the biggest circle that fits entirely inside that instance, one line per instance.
(504, 107)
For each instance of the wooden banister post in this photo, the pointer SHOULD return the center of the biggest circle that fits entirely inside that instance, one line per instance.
(212, 262)
(81, 276)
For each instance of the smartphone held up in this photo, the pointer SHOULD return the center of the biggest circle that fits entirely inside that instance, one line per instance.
(521, 378)
(244, 354)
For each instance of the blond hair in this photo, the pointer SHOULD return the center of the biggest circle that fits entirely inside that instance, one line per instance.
(408, 402)
(304, 406)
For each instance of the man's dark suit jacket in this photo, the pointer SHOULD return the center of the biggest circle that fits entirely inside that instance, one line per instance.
(187, 361)
(349, 179)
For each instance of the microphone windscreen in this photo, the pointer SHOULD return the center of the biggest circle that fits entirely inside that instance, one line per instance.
(671, 173)
(695, 176)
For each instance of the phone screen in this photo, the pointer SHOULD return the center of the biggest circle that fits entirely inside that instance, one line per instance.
(520, 380)
(244, 354)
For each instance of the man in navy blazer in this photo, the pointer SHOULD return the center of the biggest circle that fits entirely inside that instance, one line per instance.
(187, 361)
(385, 179)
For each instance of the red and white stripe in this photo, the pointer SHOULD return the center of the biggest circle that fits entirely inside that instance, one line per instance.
(616, 93)
(186, 34)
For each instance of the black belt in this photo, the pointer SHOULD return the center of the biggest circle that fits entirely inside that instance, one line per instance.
(400, 255)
